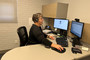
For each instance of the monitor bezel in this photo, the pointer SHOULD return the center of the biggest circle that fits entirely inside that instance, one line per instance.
(67, 24)
(81, 32)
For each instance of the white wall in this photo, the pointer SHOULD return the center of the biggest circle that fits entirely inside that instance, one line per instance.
(25, 9)
(79, 9)
(8, 31)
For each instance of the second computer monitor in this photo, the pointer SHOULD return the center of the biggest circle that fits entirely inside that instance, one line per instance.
(61, 24)
(77, 28)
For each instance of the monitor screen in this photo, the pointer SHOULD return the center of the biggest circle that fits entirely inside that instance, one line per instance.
(77, 28)
(61, 24)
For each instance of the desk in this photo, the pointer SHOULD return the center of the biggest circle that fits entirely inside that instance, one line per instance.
(39, 52)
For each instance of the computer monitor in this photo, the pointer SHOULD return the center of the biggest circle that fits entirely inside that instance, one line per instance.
(77, 28)
(61, 24)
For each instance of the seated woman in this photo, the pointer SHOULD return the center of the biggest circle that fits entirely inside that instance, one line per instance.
(37, 36)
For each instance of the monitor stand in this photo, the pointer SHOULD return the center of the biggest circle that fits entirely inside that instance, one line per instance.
(76, 41)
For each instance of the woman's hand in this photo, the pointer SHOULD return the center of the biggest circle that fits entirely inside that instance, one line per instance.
(59, 47)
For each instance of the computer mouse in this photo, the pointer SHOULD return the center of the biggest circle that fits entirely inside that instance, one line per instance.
(62, 51)
(76, 50)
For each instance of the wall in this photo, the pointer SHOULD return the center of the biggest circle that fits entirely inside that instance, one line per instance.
(80, 9)
(25, 9)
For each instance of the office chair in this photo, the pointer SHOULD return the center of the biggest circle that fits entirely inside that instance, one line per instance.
(23, 36)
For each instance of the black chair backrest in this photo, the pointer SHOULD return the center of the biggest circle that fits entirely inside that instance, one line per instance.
(23, 36)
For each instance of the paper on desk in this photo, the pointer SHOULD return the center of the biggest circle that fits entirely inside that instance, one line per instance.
(46, 31)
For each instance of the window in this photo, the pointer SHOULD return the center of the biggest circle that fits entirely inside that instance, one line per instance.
(8, 11)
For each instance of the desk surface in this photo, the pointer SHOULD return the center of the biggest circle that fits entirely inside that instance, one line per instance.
(39, 52)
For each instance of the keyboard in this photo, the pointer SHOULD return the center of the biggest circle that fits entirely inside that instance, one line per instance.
(62, 41)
